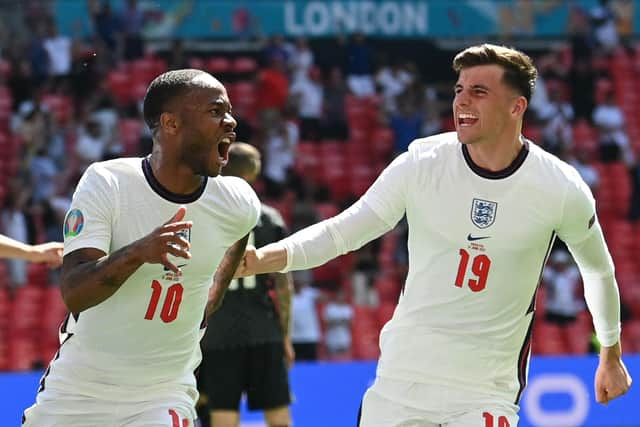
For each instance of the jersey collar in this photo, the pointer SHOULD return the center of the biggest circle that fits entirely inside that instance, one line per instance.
(504, 173)
(166, 194)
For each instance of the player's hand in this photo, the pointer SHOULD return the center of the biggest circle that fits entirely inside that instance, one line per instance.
(248, 264)
(289, 352)
(48, 253)
(156, 247)
(612, 378)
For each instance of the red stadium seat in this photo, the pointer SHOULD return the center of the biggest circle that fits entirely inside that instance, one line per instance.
(130, 132)
(548, 339)
(218, 66)
(60, 106)
(244, 65)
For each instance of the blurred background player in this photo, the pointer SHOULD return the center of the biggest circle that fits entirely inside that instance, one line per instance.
(136, 291)
(484, 206)
(247, 347)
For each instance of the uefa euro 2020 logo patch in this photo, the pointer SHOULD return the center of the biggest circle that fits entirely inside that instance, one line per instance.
(73, 223)
(483, 212)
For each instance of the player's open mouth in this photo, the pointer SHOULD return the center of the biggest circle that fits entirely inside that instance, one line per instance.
(223, 146)
(466, 119)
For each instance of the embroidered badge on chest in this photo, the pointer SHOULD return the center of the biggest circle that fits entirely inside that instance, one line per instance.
(483, 213)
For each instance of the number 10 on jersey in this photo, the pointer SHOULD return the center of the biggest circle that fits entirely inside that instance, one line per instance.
(171, 303)
(480, 266)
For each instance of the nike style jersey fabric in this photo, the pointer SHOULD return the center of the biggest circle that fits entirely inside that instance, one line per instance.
(145, 336)
(477, 244)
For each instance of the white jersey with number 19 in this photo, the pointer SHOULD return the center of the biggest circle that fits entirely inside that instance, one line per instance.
(477, 245)
(144, 338)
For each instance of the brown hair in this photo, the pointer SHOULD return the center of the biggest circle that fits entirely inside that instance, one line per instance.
(519, 71)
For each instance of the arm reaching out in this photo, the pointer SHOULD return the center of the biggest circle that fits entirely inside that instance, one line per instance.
(225, 272)
(89, 276)
(49, 253)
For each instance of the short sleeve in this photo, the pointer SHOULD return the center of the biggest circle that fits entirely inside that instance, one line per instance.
(579, 212)
(88, 221)
(252, 208)
(387, 195)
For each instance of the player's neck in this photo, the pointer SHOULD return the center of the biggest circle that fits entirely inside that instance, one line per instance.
(172, 176)
(496, 156)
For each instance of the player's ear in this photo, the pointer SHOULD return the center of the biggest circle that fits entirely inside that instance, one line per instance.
(169, 122)
(519, 106)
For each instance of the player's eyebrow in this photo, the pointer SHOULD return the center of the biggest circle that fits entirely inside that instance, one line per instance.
(473, 87)
(219, 102)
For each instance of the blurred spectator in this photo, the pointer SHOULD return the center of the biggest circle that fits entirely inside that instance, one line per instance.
(177, 56)
(308, 96)
(562, 283)
(393, 80)
(556, 118)
(281, 140)
(363, 277)
(360, 66)
(13, 223)
(305, 334)
(579, 159)
(432, 121)
(106, 116)
(337, 317)
(38, 55)
(334, 120)
(59, 50)
(92, 145)
(276, 49)
(301, 60)
(406, 123)
(582, 81)
(272, 86)
(21, 81)
(603, 22)
(30, 125)
(132, 19)
(107, 25)
(613, 139)
(42, 171)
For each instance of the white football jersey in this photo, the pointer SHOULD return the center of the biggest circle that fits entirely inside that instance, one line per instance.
(477, 245)
(145, 336)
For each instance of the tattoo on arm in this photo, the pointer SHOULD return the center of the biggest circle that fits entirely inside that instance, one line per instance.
(283, 288)
(224, 273)
(89, 276)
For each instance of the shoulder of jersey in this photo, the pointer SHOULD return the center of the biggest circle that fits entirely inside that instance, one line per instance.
(435, 143)
(125, 166)
(237, 187)
(549, 165)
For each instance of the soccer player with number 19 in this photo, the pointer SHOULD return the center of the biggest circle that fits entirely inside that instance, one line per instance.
(136, 285)
(484, 206)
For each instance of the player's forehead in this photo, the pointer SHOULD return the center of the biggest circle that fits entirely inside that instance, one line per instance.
(486, 75)
(206, 89)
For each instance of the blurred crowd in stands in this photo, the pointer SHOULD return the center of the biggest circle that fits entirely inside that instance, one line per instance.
(326, 127)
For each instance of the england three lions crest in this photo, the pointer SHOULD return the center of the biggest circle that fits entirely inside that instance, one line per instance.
(483, 213)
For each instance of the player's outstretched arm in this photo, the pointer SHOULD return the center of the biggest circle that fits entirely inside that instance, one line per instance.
(89, 276)
(225, 273)
(49, 253)
(612, 378)
(268, 259)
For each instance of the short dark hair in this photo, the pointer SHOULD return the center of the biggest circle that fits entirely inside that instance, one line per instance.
(519, 71)
(164, 89)
(244, 160)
